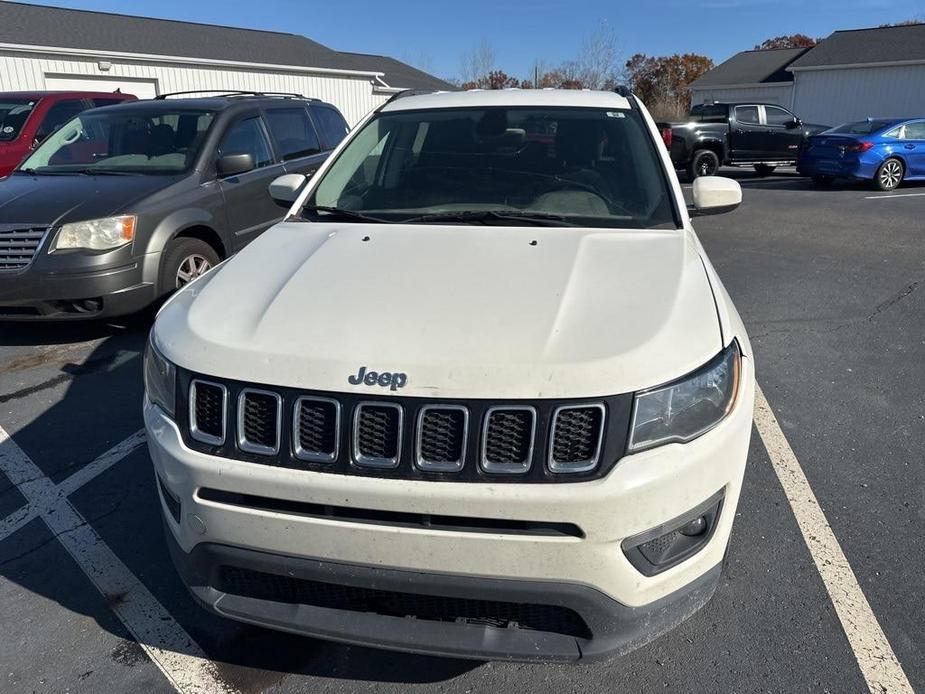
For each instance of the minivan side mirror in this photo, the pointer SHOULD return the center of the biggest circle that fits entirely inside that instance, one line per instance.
(234, 164)
(285, 189)
(715, 195)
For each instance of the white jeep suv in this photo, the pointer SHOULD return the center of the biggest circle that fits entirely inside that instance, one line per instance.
(481, 394)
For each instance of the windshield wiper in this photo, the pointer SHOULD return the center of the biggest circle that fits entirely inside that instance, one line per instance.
(36, 172)
(92, 171)
(345, 214)
(542, 219)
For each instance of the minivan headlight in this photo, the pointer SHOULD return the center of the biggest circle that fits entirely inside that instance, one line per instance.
(683, 410)
(160, 378)
(96, 234)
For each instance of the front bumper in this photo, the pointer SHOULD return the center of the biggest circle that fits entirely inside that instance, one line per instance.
(590, 575)
(616, 628)
(36, 295)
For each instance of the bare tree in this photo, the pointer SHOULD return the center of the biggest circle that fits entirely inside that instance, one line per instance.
(477, 63)
(599, 59)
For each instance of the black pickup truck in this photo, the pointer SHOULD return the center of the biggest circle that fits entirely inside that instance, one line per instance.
(736, 134)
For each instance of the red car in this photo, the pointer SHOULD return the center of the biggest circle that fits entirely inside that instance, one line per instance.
(27, 118)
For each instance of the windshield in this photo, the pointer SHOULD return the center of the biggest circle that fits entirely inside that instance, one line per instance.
(864, 127)
(122, 141)
(588, 167)
(13, 116)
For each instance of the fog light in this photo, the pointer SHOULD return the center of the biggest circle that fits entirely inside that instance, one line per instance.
(670, 543)
(696, 527)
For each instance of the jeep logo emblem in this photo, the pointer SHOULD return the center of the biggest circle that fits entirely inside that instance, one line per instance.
(386, 379)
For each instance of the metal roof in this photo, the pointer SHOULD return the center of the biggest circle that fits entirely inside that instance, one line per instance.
(865, 46)
(38, 25)
(752, 67)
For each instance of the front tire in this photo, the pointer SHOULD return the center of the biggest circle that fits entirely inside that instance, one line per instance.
(185, 260)
(705, 162)
(764, 169)
(889, 175)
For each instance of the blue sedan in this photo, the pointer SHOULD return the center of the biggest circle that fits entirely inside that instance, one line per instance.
(885, 151)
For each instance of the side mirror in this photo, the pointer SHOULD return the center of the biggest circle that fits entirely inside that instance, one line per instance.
(794, 124)
(234, 164)
(716, 195)
(285, 189)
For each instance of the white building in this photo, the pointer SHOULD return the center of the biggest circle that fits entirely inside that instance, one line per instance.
(46, 48)
(851, 75)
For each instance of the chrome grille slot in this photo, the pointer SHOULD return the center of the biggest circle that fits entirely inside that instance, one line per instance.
(377, 434)
(18, 246)
(259, 414)
(441, 438)
(316, 429)
(507, 439)
(575, 439)
(207, 406)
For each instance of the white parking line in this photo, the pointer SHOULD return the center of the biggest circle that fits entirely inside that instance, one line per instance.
(872, 651)
(893, 196)
(170, 648)
(25, 515)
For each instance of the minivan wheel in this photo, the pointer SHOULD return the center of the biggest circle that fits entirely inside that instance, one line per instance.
(889, 175)
(184, 261)
(703, 163)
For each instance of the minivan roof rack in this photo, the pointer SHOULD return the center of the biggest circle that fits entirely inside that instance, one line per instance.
(232, 93)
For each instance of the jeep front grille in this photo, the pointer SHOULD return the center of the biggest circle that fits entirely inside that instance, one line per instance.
(259, 413)
(577, 431)
(507, 440)
(316, 428)
(377, 434)
(207, 412)
(405, 437)
(18, 246)
(441, 437)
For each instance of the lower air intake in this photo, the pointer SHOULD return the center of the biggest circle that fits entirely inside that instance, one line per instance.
(490, 613)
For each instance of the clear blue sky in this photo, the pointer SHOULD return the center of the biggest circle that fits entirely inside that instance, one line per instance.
(437, 32)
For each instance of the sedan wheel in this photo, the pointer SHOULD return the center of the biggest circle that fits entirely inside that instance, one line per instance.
(889, 175)
(191, 267)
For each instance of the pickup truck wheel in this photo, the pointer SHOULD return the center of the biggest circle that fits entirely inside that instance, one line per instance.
(889, 175)
(703, 163)
(184, 261)
(764, 169)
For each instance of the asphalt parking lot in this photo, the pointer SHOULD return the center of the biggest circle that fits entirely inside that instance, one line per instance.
(831, 285)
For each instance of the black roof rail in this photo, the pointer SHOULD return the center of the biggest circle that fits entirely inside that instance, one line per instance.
(409, 92)
(230, 93)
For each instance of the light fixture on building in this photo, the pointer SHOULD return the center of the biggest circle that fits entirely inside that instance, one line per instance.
(104, 65)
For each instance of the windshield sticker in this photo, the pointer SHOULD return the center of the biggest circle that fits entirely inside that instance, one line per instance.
(616, 114)
(8, 129)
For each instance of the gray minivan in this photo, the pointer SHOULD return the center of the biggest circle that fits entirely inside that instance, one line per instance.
(124, 204)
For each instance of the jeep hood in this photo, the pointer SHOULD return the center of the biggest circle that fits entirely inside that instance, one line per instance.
(463, 311)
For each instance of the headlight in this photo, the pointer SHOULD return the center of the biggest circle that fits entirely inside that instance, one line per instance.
(96, 234)
(684, 410)
(160, 378)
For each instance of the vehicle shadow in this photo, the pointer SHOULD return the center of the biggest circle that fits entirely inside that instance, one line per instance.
(94, 407)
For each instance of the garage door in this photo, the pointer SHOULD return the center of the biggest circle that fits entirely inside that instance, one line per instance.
(143, 89)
